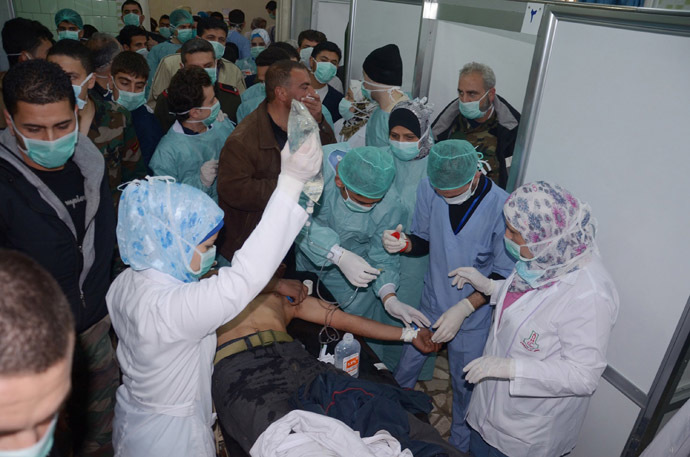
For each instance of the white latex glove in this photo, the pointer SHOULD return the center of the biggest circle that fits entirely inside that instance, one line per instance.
(208, 172)
(391, 244)
(356, 269)
(449, 323)
(472, 276)
(405, 313)
(489, 366)
(305, 163)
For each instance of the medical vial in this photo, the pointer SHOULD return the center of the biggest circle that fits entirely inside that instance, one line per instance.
(347, 355)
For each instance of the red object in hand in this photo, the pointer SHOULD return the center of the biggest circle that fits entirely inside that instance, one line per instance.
(396, 235)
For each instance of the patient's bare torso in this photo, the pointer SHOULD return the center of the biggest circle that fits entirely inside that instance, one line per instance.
(268, 311)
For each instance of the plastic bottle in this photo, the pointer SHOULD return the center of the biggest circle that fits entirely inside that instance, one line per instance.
(301, 125)
(347, 355)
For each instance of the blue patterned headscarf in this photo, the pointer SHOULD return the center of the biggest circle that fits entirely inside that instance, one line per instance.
(160, 222)
(558, 228)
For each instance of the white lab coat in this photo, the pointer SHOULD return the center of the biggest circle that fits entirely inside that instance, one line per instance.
(167, 340)
(558, 337)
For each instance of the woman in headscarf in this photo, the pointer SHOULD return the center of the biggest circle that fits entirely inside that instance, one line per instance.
(547, 346)
(166, 318)
(409, 141)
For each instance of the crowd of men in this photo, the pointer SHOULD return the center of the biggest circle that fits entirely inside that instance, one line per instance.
(199, 100)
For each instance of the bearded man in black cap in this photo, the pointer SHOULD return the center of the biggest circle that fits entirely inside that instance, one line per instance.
(382, 80)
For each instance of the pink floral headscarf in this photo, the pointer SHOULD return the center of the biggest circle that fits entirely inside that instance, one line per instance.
(558, 228)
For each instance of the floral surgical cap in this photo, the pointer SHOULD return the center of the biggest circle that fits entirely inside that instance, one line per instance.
(160, 222)
(558, 228)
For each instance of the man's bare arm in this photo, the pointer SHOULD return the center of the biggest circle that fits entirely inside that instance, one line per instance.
(317, 311)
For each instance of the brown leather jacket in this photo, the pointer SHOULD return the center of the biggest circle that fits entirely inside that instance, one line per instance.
(248, 171)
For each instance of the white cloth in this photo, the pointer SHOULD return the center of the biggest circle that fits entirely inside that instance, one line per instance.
(357, 140)
(674, 439)
(558, 337)
(306, 434)
(167, 339)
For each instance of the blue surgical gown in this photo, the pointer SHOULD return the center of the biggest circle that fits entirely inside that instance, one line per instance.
(181, 156)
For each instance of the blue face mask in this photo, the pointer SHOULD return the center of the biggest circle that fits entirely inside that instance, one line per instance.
(207, 259)
(165, 32)
(50, 154)
(356, 207)
(213, 74)
(215, 110)
(404, 151)
(530, 276)
(470, 110)
(68, 35)
(218, 49)
(256, 50)
(344, 109)
(184, 35)
(513, 248)
(131, 19)
(40, 449)
(325, 71)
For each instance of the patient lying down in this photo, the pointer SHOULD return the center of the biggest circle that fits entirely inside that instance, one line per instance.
(259, 368)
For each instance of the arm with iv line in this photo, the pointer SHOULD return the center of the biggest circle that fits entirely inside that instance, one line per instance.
(205, 305)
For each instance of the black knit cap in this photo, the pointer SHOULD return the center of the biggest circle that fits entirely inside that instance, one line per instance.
(384, 65)
(405, 118)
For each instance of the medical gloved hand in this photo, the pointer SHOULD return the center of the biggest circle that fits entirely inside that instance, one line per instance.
(355, 268)
(489, 366)
(209, 171)
(304, 163)
(393, 244)
(449, 323)
(405, 313)
(465, 275)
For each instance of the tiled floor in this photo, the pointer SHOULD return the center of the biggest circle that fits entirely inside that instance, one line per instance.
(441, 394)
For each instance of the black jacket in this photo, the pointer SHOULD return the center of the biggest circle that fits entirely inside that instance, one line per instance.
(505, 132)
(34, 221)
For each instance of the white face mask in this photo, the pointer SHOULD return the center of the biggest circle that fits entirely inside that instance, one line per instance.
(463, 197)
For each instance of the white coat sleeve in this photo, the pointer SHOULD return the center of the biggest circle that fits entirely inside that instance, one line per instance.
(576, 368)
(206, 305)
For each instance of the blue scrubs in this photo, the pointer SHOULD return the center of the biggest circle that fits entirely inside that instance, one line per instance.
(334, 223)
(479, 244)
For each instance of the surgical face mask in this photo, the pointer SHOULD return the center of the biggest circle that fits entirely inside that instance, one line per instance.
(384, 88)
(207, 259)
(344, 109)
(184, 35)
(131, 100)
(463, 197)
(40, 449)
(143, 51)
(356, 207)
(470, 110)
(305, 55)
(131, 19)
(512, 247)
(367, 94)
(218, 49)
(215, 109)
(77, 91)
(165, 32)
(68, 35)
(271, 15)
(530, 276)
(325, 71)
(213, 74)
(404, 150)
(50, 154)
(256, 50)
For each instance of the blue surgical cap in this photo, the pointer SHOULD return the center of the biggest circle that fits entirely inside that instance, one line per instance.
(179, 17)
(68, 15)
(160, 222)
(452, 164)
(368, 171)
